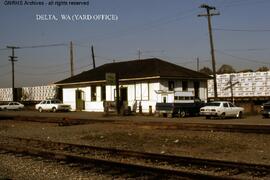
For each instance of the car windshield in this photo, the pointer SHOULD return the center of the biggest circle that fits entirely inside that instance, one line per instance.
(213, 104)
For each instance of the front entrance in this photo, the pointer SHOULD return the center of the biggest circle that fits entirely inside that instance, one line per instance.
(123, 96)
(80, 100)
(196, 89)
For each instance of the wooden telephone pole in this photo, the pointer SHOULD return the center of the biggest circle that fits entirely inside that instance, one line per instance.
(71, 59)
(93, 57)
(13, 59)
(208, 15)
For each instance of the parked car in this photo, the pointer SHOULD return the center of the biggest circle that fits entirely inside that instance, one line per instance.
(266, 109)
(12, 106)
(52, 105)
(221, 109)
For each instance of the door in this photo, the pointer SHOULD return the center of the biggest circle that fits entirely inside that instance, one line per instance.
(227, 109)
(196, 89)
(80, 102)
(123, 96)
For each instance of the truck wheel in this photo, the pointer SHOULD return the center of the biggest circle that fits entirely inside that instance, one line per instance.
(54, 109)
(40, 109)
(222, 116)
(182, 114)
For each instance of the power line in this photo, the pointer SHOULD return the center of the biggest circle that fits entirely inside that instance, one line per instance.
(52, 73)
(43, 67)
(43, 74)
(150, 25)
(4, 74)
(44, 46)
(242, 30)
(249, 49)
(241, 3)
(5, 65)
(39, 46)
(242, 58)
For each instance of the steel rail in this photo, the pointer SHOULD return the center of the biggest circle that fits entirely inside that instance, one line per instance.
(232, 128)
(173, 161)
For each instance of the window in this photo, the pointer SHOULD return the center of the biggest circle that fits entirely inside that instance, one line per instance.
(213, 104)
(231, 105)
(142, 91)
(93, 93)
(171, 85)
(43, 102)
(184, 86)
(103, 93)
(225, 104)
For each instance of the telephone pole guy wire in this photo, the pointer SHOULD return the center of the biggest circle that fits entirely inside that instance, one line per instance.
(208, 15)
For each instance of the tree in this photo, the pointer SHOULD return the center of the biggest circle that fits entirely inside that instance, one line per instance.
(245, 70)
(225, 68)
(262, 69)
(206, 70)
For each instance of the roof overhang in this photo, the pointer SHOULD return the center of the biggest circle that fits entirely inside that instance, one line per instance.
(104, 81)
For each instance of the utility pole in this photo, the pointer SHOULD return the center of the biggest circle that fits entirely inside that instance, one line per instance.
(198, 64)
(71, 59)
(12, 59)
(208, 15)
(139, 54)
(230, 86)
(93, 57)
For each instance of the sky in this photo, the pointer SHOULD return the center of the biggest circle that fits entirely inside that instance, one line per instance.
(169, 30)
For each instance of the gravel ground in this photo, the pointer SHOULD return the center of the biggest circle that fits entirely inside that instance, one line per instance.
(215, 145)
(29, 168)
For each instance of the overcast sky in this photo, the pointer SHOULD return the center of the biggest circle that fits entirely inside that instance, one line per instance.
(169, 30)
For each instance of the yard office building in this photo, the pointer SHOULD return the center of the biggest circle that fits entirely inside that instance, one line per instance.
(141, 83)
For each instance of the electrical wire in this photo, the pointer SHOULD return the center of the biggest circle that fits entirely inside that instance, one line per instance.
(4, 65)
(148, 26)
(4, 74)
(236, 3)
(242, 30)
(241, 58)
(52, 73)
(42, 67)
(43, 46)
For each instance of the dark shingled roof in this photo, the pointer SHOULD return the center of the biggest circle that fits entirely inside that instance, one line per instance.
(136, 69)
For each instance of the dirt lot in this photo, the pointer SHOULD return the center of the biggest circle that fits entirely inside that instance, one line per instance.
(214, 145)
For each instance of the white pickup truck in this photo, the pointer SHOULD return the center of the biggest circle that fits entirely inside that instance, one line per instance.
(178, 103)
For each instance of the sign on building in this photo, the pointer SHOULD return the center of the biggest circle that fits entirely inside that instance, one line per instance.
(110, 78)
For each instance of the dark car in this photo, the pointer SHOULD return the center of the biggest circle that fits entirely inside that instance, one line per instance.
(266, 110)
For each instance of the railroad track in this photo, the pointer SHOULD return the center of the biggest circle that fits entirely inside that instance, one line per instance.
(233, 128)
(138, 163)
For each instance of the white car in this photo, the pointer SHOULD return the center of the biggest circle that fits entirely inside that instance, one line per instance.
(12, 106)
(221, 109)
(52, 105)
